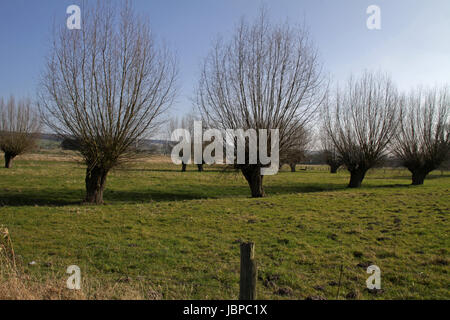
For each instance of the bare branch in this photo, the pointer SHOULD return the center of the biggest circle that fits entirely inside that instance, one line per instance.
(266, 77)
(360, 121)
(19, 128)
(423, 140)
(106, 86)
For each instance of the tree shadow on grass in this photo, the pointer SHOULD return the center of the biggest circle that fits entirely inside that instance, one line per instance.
(60, 198)
(178, 170)
(429, 177)
(144, 196)
(303, 188)
(384, 186)
(51, 199)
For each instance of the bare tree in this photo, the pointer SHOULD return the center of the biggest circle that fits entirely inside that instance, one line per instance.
(330, 153)
(19, 128)
(298, 148)
(106, 86)
(187, 122)
(423, 140)
(266, 77)
(361, 121)
(167, 129)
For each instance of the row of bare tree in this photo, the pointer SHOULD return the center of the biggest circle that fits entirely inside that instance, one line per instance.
(109, 85)
(369, 119)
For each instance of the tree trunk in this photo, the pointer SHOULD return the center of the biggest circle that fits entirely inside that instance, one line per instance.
(8, 160)
(292, 165)
(183, 167)
(252, 174)
(356, 178)
(95, 185)
(334, 168)
(418, 176)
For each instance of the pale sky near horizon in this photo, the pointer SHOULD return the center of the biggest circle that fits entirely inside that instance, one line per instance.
(413, 45)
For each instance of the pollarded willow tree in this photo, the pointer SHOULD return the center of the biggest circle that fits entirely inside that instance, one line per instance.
(297, 150)
(19, 128)
(106, 86)
(265, 77)
(361, 120)
(330, 153)
(423, 140)
(186, 122)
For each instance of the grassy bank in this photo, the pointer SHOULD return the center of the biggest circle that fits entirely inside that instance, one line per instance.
(170, 235)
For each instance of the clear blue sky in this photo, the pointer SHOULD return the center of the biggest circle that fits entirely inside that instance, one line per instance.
(413, 44)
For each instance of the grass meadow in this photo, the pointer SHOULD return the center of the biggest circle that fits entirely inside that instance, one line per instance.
(164, 234)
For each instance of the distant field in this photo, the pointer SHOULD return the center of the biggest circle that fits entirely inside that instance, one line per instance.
(173, 235)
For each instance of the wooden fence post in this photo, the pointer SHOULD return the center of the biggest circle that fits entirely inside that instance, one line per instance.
(248, 272)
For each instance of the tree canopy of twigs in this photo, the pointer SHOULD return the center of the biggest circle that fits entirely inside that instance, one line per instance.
(361, 120)
(106, 86)
(265, 77)
(423, 140)
(19, 128)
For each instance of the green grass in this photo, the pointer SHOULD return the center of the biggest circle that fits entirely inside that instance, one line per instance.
(180, 232)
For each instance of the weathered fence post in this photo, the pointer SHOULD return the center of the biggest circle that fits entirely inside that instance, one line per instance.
(248, 272)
